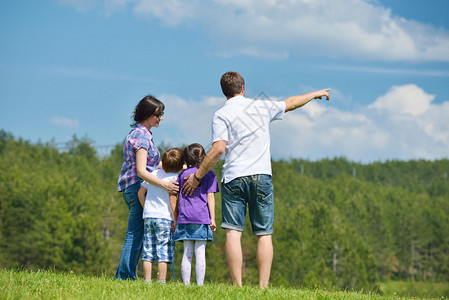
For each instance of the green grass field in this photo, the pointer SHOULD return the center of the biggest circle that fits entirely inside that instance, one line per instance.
(25, 284)
(415, 289)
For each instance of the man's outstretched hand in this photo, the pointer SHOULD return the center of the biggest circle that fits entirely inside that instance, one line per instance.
(322, 93)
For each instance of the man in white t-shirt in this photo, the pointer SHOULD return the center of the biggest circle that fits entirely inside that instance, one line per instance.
(241, 129)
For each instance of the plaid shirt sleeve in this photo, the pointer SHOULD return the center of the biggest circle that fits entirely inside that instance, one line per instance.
(138, 138)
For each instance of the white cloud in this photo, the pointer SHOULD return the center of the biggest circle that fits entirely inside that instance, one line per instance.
(65, 122)
(402, 124)
(406, 99)
(389, 128)
(313, 109)
(275, 29)
(188, 121)
(360, 29)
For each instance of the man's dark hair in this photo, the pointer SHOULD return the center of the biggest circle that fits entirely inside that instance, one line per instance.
(231, 84)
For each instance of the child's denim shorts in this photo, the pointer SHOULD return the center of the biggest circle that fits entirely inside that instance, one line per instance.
(158, 244)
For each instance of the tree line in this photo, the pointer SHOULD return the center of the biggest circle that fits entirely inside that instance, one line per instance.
(337, 223)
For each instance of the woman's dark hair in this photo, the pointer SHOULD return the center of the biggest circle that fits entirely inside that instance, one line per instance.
(231, 84)
(148, 106)
(193, 155)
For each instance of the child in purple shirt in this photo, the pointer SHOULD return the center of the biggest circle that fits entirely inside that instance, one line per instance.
(194, 216)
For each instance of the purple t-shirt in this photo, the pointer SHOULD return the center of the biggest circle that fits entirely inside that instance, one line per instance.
(193, 209)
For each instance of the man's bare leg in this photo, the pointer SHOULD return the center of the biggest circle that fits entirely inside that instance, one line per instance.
(234, 255)
(264, 259)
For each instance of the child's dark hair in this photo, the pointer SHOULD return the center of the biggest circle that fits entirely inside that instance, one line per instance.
(194, 155)
(147, 107)
(172, 160)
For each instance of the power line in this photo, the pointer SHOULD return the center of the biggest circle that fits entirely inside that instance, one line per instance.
(66, 146)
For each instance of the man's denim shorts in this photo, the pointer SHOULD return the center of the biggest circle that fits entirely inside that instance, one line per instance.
(158, 243)
(254, 191)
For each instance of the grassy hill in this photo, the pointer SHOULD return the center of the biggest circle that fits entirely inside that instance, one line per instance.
(25, 284)
(338, 224)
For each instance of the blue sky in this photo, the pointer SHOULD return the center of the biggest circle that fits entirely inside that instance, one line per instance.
(78, 67)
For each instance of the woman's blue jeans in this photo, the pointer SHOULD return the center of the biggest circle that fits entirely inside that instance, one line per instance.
(132, 247)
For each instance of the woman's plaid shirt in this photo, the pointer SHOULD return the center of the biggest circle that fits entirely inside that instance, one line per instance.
(139, 137)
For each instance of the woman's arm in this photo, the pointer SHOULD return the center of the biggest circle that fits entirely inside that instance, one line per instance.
(141, 166)
(211, 205)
